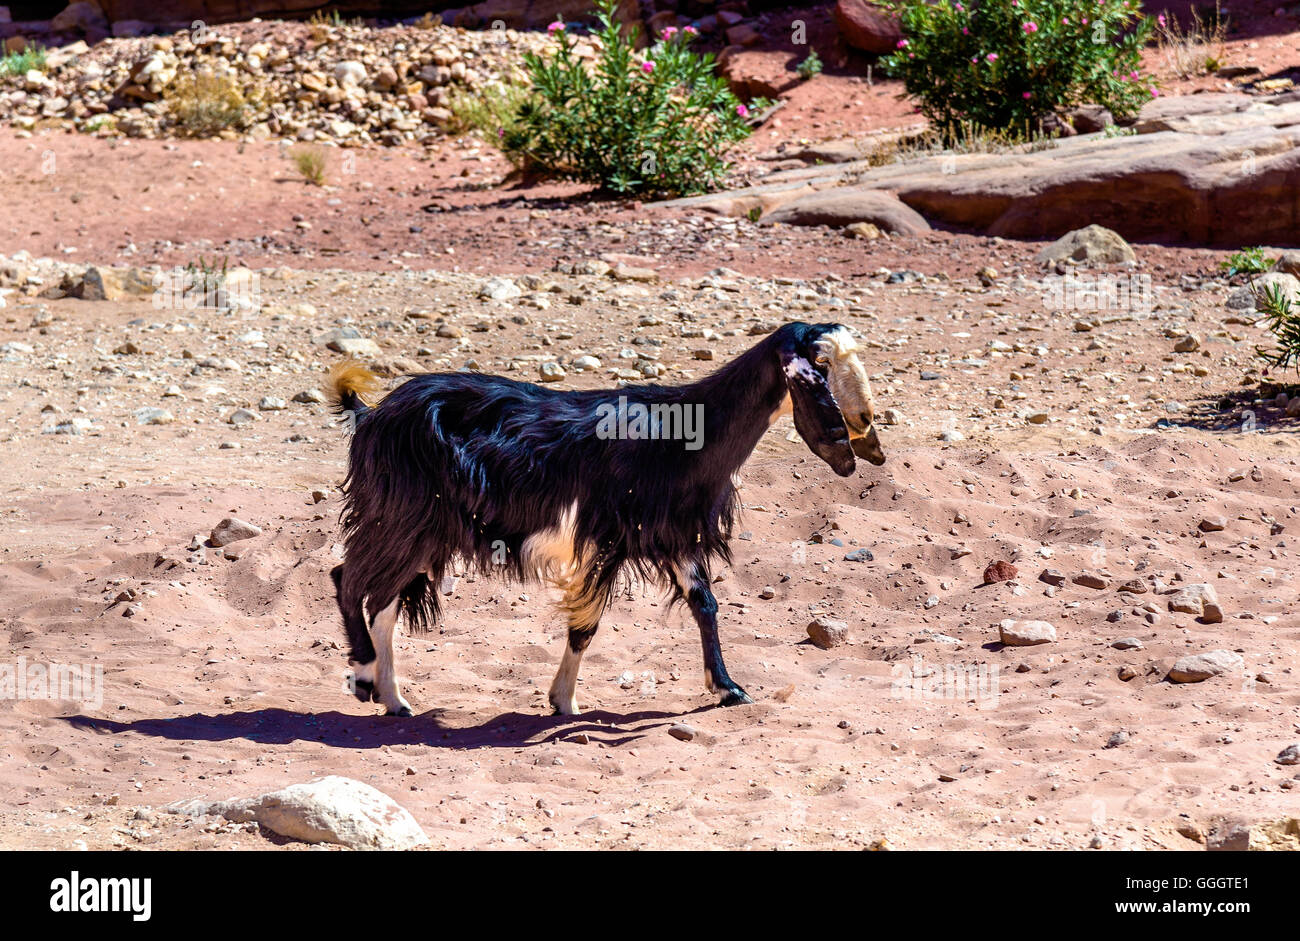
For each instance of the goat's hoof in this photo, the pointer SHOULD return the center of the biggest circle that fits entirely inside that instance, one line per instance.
(401, 712)
(734, 696)
(562, 708)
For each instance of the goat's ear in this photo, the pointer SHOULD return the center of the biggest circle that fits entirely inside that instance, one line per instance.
(817, 417)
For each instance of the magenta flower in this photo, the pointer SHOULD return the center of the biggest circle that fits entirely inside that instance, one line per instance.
(670, 32)
(965, 31)
(647, 67)
(556, 27)
(1161, 19)
(742, 111)
(1027, 95)
(691, 31)
(1155, 93)
(1032, 27)
(902, 44)
(992, 57)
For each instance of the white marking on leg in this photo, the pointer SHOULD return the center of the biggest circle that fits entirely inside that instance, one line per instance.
(563, 690)
(381, 633)
(363, 672)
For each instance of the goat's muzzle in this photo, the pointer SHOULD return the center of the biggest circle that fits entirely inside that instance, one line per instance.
(868, 446)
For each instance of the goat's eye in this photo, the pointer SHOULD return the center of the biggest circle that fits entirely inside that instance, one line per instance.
(823, 360)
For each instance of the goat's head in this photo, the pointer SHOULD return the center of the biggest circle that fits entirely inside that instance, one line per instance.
(830, 395)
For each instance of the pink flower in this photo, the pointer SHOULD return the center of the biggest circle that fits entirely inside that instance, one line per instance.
(1161, 19)
(1027, 95)
(647, 67)
(1085, 21)
(965, 31)
(1031, 26)
(691, 31)
(742, 111)
(960, 7)
(1155, 93)
(1133, 75)
(670, 32)
(556, 27)
(992, 57)
(902, 44)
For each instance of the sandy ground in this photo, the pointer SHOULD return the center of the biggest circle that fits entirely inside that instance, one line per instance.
(227, 680)
(224, 677)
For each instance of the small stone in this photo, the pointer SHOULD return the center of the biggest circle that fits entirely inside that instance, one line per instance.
(1090, 580)
(859, 555)
(1192, 599)
(1127, 643)
(241, 416)
(270, 403)
(1202, 666)
(359, 347)
(499, 289)
(1052, 577)
(1289, 755)
(154, 416)
(551, 372)
(999, 572)
(767, 593)
(1015, 633)
(1117, 738)
(827, 632)
(310, 397)
(232, 529)
(1212, 524)
(682, 732)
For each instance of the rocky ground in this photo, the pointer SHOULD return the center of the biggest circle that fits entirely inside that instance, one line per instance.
(1090, 450)
(1124, 678)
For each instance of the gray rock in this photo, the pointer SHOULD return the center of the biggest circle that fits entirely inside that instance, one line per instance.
(1202, 666)
(1092, 244)
(1289, 755)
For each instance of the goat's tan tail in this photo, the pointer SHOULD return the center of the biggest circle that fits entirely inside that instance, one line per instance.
(352, 387)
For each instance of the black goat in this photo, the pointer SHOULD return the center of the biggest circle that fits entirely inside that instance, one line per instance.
(544, 484)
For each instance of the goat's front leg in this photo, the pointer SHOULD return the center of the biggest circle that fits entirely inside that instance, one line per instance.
(694, 585)
(584, 607)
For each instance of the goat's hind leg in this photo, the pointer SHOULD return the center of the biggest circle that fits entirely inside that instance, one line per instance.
(694, 586)
(361, 650)
(383, 624)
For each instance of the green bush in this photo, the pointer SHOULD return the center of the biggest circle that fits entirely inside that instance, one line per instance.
(1008, 64)
(24, 61)
(654, 124)
(810, 66)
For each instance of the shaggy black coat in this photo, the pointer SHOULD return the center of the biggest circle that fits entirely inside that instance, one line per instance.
(464, 465)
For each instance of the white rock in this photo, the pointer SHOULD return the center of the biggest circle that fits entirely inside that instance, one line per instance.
(331, 810)
(1015, 633)
(1202, 666)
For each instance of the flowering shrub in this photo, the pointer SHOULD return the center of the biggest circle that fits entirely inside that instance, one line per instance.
(656, 124)
(997, 64)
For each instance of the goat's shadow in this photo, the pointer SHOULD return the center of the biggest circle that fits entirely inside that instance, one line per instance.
(275, 726)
